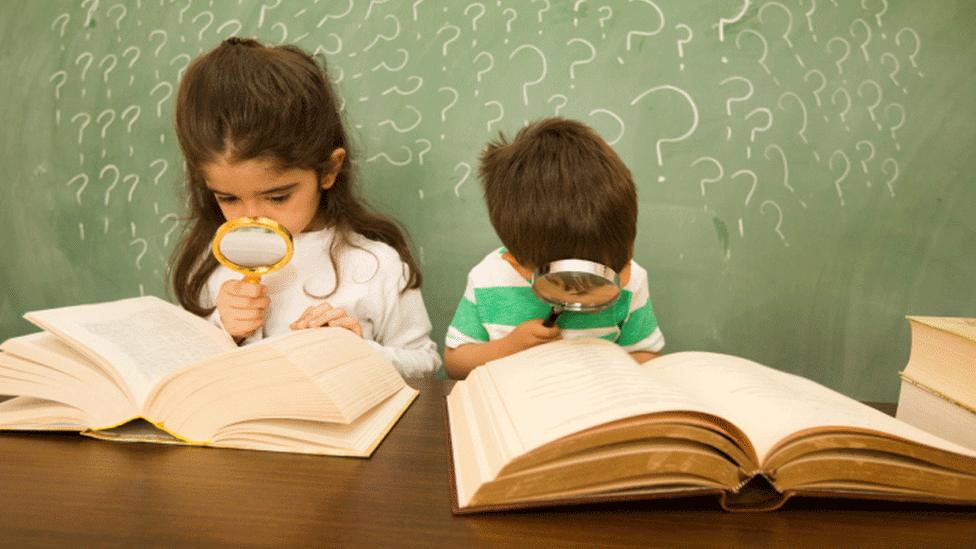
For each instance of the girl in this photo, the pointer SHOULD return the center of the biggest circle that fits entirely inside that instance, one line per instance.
(262, 136)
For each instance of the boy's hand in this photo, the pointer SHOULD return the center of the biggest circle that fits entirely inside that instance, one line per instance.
(529, 334)
(326, 315)
(242, 307)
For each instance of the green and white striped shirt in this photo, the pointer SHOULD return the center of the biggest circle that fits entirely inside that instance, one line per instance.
(497, 299)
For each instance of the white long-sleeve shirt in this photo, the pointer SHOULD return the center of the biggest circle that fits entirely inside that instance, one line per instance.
(371, 277)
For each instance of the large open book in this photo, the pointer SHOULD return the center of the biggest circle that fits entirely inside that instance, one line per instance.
(578, 421)
(143, 369)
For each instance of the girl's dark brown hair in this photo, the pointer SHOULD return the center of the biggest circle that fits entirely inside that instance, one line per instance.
(246, 100)
(558, 191)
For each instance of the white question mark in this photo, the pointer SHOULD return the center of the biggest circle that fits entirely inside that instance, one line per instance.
(877, 16)
(847, 170)
(758, 129)
(209, 16)
(891, 75)
(405, 129)
(84, 124)
(136, 54)
(63, 18)
(347, 11)
(542, 76)
(92, 6)
(735, 99)
(847, 105)
(88, 57)
(864, 161)
(782, 158)
(474, 20)
(619, 121)
(572, 66)
(186, 61)
(134, 109)
(823, 84)
(809, 16)
(132, 189)
(867, 39)
(509, 21)
(386, 157)
(84, 183)
(871, 107)
(113, 61)
(901, 122)
(110, 115)
(118, 22)
(237, 28)
(752, 188)
(894, 175)
(803, 110)
(145, 246)
(491, 64)
(605, 18)
(918, 46)
(721, 171)
(392, 36)
(420, 155)
(449, 105)
(541, 11)
(162, 43)
(57, 87)
(467, 172)
(264, 11)
(779, 220)
(501, 113)
(682, 42)
(765, 48)
(165, 166)
(576, 6)
(176, 223)
(565, 100)
(847, 52)
(682, 137)
(169, 92)
(115, 180)
(457, 33)
(723, 21)
(660, 16)
(396, 89)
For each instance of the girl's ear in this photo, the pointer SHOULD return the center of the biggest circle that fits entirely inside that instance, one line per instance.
(335, 164)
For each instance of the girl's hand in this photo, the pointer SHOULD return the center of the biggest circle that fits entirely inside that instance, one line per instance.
(529, 334)
(326, 315)
(242, 307)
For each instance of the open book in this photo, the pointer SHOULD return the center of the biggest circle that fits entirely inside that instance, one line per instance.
(577, 421)
(143, 369)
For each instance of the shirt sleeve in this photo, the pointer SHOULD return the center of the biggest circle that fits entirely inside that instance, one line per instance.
(640, 331)
(466, 326)
(402, 332)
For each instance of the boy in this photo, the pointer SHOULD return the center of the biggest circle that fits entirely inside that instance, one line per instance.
(558, 191)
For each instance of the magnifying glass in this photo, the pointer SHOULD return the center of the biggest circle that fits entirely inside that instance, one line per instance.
(252, 246)
(575, 285)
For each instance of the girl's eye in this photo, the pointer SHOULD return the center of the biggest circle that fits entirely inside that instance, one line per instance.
(279, 198)
(226, 199)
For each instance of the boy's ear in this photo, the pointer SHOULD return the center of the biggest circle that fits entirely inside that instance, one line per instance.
(335, 164)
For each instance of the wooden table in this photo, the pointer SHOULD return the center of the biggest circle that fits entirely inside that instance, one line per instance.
(67, 490)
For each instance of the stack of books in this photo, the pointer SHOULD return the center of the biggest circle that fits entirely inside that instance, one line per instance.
(938, 386)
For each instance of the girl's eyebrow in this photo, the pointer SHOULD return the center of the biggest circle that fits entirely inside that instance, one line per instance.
(274, 190)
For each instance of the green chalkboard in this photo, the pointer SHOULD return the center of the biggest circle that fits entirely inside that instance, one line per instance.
(804, 167)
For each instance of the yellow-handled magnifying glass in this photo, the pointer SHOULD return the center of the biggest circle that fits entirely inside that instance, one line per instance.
(253, 246)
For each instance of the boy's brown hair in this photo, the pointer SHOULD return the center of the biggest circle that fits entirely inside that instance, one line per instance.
(558, 191)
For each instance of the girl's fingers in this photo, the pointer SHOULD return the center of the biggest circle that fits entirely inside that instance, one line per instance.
(324, 317)
(348, 323)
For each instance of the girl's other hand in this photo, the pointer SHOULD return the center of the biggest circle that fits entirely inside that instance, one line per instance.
(326, 315)
(242, 307)
(529, 334)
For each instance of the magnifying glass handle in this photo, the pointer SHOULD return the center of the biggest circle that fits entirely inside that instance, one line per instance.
(551, 319)
(252, 278)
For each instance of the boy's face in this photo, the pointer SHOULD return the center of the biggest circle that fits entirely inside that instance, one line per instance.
(257, 187)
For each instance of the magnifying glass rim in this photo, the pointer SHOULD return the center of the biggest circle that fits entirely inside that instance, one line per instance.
(578, 266)
(261, 222)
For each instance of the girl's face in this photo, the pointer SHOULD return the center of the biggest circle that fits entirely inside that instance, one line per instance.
(257, 187)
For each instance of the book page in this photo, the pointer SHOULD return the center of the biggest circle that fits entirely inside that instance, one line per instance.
(143, 339)
(559, 388)
(770, 405)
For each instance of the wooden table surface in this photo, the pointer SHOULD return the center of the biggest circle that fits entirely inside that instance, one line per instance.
(68, 490)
